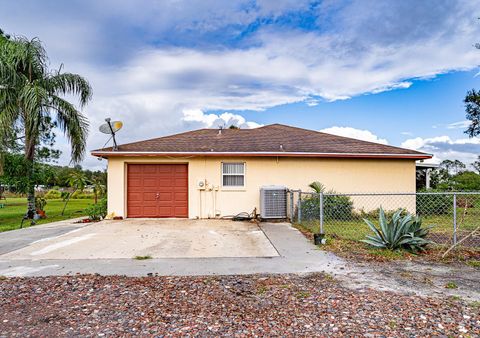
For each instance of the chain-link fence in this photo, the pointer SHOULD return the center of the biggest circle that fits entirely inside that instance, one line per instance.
(454, 215)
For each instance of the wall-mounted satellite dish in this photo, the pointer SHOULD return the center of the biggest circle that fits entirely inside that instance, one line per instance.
(111, 128)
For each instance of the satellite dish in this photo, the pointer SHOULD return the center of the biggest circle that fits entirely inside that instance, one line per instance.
(111, 128)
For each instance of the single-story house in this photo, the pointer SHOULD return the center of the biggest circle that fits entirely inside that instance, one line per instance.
(218, 172)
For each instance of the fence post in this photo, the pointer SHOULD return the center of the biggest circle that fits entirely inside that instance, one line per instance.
(299, 207)
(454, 218)
(321, 212)
(292, 208)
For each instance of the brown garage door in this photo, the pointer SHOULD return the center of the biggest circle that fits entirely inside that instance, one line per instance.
(157, 190)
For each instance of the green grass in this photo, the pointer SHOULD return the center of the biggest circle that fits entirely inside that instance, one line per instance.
(474, 263)
(142, 258)
(356, 229)
(451, 285)
(15, 208)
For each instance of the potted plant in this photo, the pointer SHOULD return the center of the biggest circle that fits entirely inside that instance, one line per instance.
(40, 203)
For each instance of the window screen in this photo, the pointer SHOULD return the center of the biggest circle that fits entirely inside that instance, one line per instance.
(233, 174)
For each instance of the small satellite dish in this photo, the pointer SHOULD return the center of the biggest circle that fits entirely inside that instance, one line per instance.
(111, 128)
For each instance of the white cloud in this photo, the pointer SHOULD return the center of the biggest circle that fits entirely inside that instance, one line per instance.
(141, 77)
(444, 147)
(359, 134)
(196, 116)
(459, 125)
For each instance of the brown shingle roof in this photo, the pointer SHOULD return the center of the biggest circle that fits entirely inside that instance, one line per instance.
(274, 139)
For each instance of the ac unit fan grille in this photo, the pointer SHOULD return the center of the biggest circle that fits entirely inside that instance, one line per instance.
(274, 203)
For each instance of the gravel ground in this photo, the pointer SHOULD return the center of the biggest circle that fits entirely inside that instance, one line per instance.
(275, 305)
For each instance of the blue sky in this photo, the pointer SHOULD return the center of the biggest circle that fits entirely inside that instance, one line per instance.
(389, 71)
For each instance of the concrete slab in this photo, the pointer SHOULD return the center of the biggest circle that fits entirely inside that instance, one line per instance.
(297, 255)
(172, 238)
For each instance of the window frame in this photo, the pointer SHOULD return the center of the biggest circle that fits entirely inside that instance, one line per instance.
(234, 187)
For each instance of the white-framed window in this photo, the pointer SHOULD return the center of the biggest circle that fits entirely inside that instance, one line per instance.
(233, 174)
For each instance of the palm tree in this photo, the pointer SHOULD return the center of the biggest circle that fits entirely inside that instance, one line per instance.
(78, 181)
(30, 94)
(98, 188)
(317, 187)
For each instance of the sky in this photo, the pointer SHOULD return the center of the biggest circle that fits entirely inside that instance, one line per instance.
(394, 72)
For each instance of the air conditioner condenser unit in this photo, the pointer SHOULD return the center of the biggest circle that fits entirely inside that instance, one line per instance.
(273, 202)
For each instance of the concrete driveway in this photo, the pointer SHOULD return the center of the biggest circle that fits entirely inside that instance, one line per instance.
(168, 238)
(177, 247)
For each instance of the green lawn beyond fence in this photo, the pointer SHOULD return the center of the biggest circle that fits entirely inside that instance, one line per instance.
(343, 215)
(15, 208)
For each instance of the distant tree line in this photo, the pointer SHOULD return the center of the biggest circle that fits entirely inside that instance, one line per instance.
(44, 174)
(452, 176)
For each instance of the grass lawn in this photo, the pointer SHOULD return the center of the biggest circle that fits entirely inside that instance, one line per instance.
(356, 229)
(15, 208)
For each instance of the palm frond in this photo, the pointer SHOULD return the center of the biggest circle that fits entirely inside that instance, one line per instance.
(317, 187)
(68, 83)
(73, 123)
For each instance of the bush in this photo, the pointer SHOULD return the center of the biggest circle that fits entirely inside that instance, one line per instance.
(40, 203)
(53, 195)
(400, 232)
(434, 204)
(98, 211)
(78, 195)
(376, 213)
(334, 207)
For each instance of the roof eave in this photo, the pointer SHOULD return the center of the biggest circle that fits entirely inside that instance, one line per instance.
(260, 154)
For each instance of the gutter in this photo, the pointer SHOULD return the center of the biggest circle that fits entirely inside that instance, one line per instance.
(263, 154)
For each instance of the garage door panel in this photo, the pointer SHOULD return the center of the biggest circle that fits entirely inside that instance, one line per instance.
(149, 182)
(166, 211)
(135, 197)
(181, 197)
(149, 169)
(166, 168)
(165, 197)
(181, 211)
(149, 211)
(157, 190)
(135, 181)
(149, 196)
(135, 169)
(165, 183)
(180, 170)
(180, 182)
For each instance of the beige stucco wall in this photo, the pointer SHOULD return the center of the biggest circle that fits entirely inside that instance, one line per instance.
(343, 175)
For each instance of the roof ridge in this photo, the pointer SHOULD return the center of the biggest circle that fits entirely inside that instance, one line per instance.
(340, 136)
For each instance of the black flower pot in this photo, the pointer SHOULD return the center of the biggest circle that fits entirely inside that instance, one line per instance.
(319, 239)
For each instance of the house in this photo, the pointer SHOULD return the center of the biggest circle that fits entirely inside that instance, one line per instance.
(218, 172)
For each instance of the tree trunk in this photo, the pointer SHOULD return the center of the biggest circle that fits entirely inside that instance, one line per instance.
(67, 200)
(29, 156)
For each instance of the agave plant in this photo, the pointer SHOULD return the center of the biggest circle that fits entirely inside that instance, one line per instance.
(401, 232)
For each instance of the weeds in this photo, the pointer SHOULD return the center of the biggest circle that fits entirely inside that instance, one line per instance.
(451, 285)
(302, 294)
(475, 264)
(142, 258)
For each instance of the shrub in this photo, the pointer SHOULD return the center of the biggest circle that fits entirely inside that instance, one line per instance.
(77, 195)
(40, 203)
(440, 204)
(376, 212)
(401, 232)
(97, 211)
(334, 207)
(53, 195)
